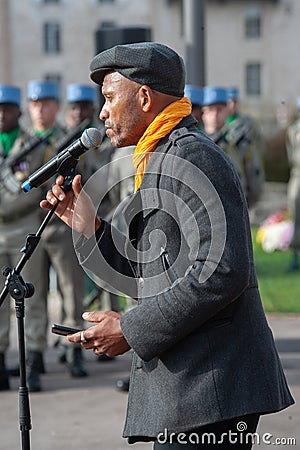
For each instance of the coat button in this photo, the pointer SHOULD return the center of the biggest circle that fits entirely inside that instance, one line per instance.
(141, 282)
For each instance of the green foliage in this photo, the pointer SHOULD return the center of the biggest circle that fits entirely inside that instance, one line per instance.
(280, 289)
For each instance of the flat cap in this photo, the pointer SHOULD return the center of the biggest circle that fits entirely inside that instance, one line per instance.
(149, 63)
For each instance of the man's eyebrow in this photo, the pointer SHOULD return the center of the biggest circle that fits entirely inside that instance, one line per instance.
(107, 90)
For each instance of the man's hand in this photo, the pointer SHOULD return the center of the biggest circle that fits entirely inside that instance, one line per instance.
(74, 207)
(105, 337)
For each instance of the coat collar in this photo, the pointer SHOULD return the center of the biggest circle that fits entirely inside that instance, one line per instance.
(147, 199)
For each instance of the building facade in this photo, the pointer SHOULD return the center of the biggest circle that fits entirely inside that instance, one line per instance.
(254, 45)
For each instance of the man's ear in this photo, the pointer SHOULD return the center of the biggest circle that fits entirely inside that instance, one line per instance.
(146, 98)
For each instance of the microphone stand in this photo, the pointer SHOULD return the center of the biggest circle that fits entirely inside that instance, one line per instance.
(19, 290)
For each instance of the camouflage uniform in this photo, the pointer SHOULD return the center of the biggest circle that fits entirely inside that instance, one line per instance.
(120, 181)
(96, 159)
(215, 102)
(243, 132)
(220, 138)
(58, 251)
(20, 215)
(97, 163)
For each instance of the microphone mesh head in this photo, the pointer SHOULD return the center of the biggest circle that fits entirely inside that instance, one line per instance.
(91, 138)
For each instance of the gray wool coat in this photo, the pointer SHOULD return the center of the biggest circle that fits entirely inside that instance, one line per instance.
(203, 351)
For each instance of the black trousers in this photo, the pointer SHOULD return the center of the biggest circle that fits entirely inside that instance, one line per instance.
(230, 434)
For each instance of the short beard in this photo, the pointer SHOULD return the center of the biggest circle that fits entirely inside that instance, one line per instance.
(125, 139)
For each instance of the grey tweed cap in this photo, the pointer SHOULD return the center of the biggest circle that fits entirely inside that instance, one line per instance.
(149, 63)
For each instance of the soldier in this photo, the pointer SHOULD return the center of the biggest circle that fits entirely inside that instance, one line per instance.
(56, 240)
(18, 217)
(121, 187)
(293, 152)
(244, 132)
(214, 114)
(81, 107)
(195, 94)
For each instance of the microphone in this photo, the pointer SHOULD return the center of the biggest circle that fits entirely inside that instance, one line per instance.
(91, 138)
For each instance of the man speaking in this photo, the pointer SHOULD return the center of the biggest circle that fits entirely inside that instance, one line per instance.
(204, 357)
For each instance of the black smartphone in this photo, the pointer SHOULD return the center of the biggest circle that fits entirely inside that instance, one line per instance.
(63, 331)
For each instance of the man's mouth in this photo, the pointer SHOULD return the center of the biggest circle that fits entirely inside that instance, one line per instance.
(108, 129)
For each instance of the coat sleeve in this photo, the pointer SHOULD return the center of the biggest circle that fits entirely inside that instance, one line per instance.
(215, 226)
(104, 254)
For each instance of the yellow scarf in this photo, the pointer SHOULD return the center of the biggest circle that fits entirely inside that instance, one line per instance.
(163, 123)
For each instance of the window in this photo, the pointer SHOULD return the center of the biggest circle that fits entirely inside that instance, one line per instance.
(53, 77)
(51, 37)
(253, 22)
(253, 79)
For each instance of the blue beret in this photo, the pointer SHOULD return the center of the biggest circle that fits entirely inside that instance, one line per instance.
(213, 95)
(38, 90)
(80, 93)
(194, 93)
(10, 94)
(233, 93)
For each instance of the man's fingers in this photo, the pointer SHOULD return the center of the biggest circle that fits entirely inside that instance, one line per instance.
(59, 180)
(76, 185)
(95, 316)
(45, 205)
(51, 198)
(75, 337)
(58, 192)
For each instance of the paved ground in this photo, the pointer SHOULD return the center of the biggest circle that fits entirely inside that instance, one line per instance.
(79, 414)
(286, 424)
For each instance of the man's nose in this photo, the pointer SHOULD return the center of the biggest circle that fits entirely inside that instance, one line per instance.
(103, 115)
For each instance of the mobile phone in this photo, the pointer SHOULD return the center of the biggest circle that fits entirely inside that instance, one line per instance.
(63, 331)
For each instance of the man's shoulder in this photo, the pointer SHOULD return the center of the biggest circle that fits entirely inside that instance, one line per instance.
(194, 145)
(184, 136)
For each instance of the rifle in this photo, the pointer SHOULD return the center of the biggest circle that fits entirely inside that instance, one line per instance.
(28, 147)
(241, 133)
(7, 178)
(218, 136)
(72, 134)
(6, 164)
(34, 141)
